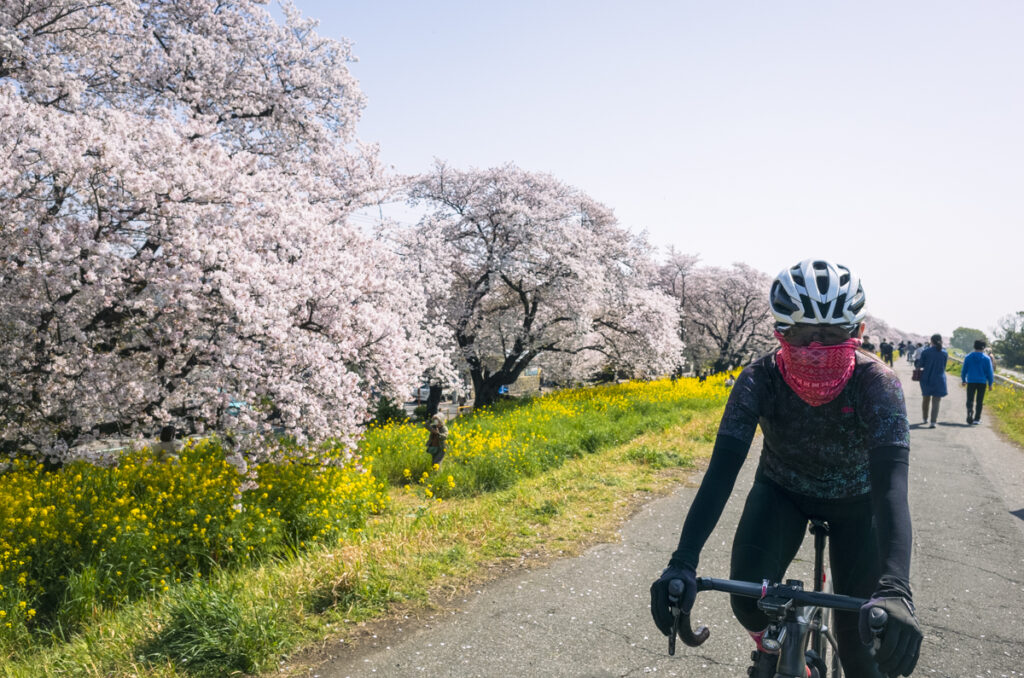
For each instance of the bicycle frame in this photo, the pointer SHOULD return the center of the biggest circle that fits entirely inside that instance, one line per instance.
(821, 634)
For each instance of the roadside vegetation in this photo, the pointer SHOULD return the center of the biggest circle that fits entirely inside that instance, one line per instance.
(142, 580)
(1007, 404)
(1004, 402)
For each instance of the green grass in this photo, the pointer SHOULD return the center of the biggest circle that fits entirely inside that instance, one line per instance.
(493, 449)
(212, 631)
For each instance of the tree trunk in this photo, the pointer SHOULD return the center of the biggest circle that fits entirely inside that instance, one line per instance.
(433, 400)
(485, 389)
(722, 364)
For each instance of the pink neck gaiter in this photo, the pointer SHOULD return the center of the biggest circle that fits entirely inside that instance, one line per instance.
(817, 373)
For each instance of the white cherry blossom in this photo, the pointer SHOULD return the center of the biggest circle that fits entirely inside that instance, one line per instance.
(526, 271)
(173, 234)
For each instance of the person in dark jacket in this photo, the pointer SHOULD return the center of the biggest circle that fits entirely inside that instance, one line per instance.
(975, 372)
(886, 348)
(932, 362)
(835, 446)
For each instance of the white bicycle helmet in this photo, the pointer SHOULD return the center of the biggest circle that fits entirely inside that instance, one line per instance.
(817, 292)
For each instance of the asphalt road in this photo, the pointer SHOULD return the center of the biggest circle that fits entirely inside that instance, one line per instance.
(588, 616)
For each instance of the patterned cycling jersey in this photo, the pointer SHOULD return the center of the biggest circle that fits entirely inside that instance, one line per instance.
(818, 451)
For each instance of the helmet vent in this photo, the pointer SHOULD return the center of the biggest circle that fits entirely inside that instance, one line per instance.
(822, 280)
(840, 304)
(780, 300)
(808, 309)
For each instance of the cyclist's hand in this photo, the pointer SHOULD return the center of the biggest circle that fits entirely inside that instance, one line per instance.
(660, 599)
(900, 642)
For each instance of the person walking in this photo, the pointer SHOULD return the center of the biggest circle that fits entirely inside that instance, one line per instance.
(836, 446)
(886, 349)
(975, 372)
(992, 357)
(932, 362)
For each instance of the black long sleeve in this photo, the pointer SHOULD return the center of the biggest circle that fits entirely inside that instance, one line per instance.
(727, 458)
(889, 469)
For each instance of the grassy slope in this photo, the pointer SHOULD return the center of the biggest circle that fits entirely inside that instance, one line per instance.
(410, 560)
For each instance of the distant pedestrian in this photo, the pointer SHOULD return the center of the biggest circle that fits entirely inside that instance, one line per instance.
(729, 381)
(992, 357)
(916, 353)
(167, 447)
(932, 362)
(437, 439)
(886, 349)
(867, 345)
(975, 372)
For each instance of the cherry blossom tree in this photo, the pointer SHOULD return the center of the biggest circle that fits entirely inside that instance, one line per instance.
(673, 279)
(173, 232)
(878, 329)
(723, 312)
(525, 270)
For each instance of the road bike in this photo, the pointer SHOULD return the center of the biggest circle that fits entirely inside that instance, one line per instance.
(800, 627)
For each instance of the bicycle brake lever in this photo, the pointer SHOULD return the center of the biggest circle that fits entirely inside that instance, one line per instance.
(675, 592)
(877, 619)
(681, 620)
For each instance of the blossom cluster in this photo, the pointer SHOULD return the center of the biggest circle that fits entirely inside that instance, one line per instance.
(174, 232)
(108, 535)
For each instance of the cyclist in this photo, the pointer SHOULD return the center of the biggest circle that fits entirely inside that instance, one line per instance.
(836, 447)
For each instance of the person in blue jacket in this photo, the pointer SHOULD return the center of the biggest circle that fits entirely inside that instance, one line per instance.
(975, 373)
(932, 362)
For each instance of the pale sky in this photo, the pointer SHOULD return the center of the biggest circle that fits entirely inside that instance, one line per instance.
(888, 136)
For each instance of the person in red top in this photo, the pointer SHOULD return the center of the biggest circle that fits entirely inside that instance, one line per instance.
(836, 447)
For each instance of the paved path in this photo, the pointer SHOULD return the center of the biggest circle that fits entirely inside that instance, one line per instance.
(588, 616)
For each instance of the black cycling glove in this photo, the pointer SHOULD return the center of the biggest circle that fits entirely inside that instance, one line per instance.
(660, 599)
(900, 643)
